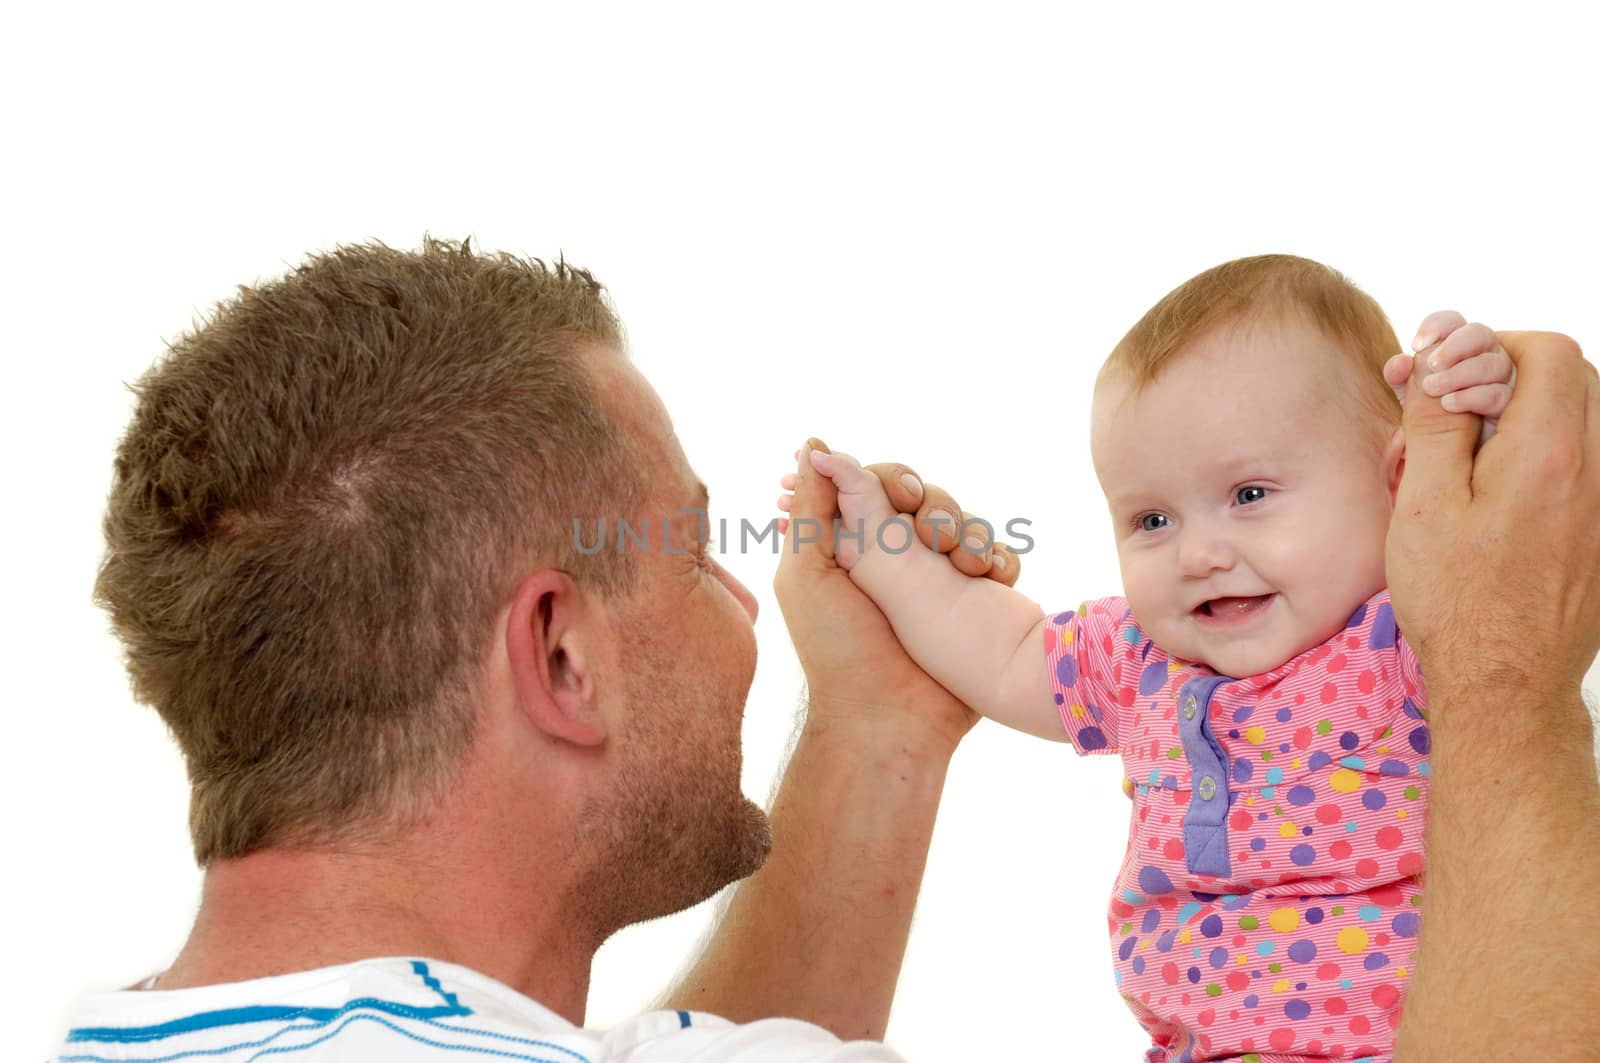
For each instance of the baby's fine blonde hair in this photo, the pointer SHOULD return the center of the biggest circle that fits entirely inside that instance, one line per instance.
(1259, 289)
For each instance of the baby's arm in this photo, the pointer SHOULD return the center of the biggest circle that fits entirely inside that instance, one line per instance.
(982, 641)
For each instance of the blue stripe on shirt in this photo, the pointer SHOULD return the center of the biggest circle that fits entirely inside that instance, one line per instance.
(319, 1017)
(210, 1020)
(288, 1049)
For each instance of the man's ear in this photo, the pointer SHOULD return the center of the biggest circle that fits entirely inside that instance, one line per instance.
(549, 640)
(1394, 463)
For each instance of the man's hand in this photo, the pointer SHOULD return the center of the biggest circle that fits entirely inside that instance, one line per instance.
(936, 517)
(1494, 570)
(1494, 566)
(819, 933)
(852, 661)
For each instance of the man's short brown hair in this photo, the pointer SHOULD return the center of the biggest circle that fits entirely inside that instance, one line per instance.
(326, 493)
(1266, 288)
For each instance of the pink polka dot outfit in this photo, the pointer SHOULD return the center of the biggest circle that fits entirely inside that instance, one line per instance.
(1267, 906)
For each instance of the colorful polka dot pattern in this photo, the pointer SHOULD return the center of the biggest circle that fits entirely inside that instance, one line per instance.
(1305, 949)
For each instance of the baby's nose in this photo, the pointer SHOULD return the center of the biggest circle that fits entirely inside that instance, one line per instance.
(1200, 554)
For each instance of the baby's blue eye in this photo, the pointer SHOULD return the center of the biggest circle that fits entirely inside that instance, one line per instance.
(1246, 495)
(1153, 522)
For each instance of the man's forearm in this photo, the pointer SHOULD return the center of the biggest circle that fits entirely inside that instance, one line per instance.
(1513, 843)
(819, 933)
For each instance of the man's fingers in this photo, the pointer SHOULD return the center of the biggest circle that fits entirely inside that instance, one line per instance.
(1004, 565)
(938, 519)
(971, 553)
(808, 538)
(908, 494)
(1549, 366)
(901, 484)
(982, 554)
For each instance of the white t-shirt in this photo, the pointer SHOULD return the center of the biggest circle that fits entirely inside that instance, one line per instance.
(407, 1011)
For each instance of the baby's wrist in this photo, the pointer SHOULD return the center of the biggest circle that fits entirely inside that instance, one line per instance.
(886, 547)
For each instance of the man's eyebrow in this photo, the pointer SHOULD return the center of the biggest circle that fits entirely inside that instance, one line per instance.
(703, 494)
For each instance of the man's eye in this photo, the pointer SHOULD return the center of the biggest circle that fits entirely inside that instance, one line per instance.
(1153, 522)
(1246, 495)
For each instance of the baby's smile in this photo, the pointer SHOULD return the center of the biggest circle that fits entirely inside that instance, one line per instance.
(1232, 612)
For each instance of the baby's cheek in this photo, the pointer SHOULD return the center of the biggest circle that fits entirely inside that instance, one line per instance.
(1343, 568)
(1152, 599)
(1133, 587)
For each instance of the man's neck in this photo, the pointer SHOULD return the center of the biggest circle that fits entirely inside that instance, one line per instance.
(276, 911)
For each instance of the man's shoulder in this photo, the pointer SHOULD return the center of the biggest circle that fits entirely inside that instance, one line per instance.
(405, 1010)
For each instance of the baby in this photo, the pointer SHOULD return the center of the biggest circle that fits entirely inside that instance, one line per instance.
(1269, 714)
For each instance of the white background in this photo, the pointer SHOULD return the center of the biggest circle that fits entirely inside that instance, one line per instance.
(911, 231)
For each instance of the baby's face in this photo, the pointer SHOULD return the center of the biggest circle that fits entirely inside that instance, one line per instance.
(1249, 493)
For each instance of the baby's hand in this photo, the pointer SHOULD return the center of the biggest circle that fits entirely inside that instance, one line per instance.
(1467, 367)
(863, 508)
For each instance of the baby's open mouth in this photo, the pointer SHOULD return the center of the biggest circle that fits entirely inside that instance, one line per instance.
(1226, 609)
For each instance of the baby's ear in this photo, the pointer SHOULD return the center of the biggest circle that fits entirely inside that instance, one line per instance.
(1394, 462)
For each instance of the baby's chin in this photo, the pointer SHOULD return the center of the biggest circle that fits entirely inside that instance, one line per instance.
(1234, 662)
(1244, 662)
(1258, 657)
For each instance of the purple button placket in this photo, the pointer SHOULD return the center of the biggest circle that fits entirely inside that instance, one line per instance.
(1205, 825)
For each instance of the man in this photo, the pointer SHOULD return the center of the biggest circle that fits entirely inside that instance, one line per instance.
(422, 720)
(422, 723)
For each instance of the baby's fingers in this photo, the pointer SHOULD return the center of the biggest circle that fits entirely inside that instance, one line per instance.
(1435, 327)
(1491, 367)
(1465, 342)
(846, 472)
(1487, 400)
(1396, 372)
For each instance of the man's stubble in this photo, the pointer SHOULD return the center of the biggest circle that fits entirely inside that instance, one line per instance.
(676, 827)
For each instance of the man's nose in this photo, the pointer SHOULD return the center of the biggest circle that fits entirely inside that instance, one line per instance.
(1202, 551)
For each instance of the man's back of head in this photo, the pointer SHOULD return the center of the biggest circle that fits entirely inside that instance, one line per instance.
(326, 492)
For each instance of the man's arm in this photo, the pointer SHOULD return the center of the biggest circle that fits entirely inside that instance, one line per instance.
(1494, 569)
(819, 933)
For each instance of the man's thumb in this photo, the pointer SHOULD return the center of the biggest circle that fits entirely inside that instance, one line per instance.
(1439, 444)
(815, 504)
